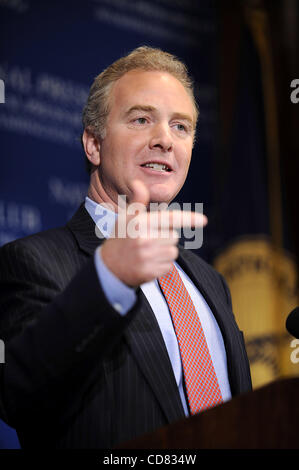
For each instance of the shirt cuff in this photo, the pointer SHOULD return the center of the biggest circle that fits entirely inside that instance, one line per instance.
(121, 296)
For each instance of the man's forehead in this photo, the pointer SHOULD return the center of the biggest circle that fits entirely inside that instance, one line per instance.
(139, 87)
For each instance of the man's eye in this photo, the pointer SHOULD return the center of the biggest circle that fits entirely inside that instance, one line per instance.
(140, 120)
(181, 127)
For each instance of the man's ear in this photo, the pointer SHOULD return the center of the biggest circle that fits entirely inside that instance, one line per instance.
(91, 146)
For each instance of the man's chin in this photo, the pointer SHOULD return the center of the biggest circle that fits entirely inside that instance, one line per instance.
(160, 196)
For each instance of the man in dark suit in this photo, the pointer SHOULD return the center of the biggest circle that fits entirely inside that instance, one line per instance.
(94, 353)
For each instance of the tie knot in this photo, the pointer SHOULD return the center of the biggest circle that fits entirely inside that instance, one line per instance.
(171, 275)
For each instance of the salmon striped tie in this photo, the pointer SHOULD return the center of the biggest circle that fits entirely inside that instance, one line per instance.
(201, 382)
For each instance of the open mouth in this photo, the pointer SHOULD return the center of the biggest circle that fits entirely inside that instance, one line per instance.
(157, 166)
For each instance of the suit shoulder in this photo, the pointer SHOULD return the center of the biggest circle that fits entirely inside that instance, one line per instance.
(53, 241)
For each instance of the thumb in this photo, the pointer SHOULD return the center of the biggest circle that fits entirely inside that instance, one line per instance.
(140, 193)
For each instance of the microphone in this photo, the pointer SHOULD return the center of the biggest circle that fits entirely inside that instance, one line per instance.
(292, 323)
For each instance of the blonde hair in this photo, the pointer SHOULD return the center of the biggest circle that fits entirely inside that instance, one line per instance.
(146, 58)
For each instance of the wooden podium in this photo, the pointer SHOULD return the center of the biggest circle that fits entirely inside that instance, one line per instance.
(267, 418)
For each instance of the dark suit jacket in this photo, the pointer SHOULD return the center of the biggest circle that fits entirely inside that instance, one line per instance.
(76, 373)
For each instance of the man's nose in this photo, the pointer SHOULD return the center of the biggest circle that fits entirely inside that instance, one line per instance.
(161, 138)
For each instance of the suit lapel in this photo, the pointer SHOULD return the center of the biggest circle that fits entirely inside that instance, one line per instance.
(84, 230)
(146, 341)
(143, 334)
(197, 275)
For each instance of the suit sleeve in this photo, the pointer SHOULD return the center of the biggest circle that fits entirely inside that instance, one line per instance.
(53, 340)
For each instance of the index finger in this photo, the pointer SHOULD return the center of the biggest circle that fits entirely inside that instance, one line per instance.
(179, 219)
